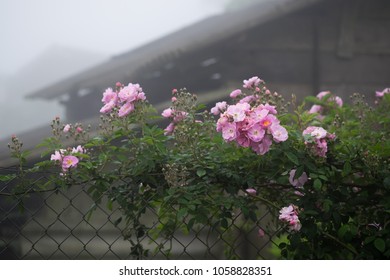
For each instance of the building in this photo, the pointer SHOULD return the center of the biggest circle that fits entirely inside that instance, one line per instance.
(296, 46)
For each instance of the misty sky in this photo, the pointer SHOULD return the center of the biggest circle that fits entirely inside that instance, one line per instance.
(28, 27)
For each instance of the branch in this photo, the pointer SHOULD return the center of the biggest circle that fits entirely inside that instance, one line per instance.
(26, 192)
(349, 248)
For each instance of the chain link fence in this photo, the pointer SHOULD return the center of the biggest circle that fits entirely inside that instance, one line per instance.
(68, 224)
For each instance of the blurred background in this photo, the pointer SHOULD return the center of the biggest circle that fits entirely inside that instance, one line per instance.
(45, 41)
(57, 57)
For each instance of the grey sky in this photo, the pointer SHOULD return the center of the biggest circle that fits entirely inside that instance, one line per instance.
(28, 27)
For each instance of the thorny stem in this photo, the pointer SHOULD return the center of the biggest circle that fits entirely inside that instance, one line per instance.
(266, 201)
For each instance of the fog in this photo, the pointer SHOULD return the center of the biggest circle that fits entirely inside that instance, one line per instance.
(45, 41)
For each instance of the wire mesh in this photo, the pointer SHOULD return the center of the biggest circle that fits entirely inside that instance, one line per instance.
(56, 224)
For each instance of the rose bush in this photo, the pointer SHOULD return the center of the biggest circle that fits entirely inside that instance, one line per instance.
(323, 172)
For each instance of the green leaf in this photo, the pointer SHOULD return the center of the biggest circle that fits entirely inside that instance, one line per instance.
(292, 158)
(323, 177)
(5, 178)
(315, 100)
(311, 166)
(182, 213)
(317, 184)
(343, 230)
(380, 244)
(200, 172)
(327, 205)
(190, 224)
(347, 168)
(369, 239)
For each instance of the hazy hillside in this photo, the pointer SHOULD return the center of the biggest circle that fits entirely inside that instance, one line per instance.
(19, 114)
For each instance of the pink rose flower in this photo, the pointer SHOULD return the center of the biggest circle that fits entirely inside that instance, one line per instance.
(256, 133)
(268, 107)
(107, 108)
(317, 140)
(258, 114)
(235, 93)
(167, 113)
(222, 121)
(289, 215)
(67, 128)
(262, 147)
(169, 129)
(299, 182)
(252, 83)
(229, 132)
(141, 96)
(260, 233)
(109, 96)
(335, 99)
(126, 109)
(321, 94)
(315, 109)
(79, 149)
(383, 92)
(251, 191)
(318, 133)
(266, 122)
(69, 162)
(338, 101)
(128, 93)
(219, 108)
(179, 116)
(243, 140)
(248, 99)
(57, 156)
(279, 133)
(236, 113)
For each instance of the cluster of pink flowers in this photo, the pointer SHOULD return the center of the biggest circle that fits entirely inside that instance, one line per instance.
(382, 93)
(252, 83)
(123, 100)
(175, 116)
(77, 129)
(319, 109)
(316, 140)
(289, 215)
(219, 108)
(251, 127)
(67, 158)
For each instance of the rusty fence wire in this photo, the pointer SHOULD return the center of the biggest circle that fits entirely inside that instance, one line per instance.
(55, 224)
